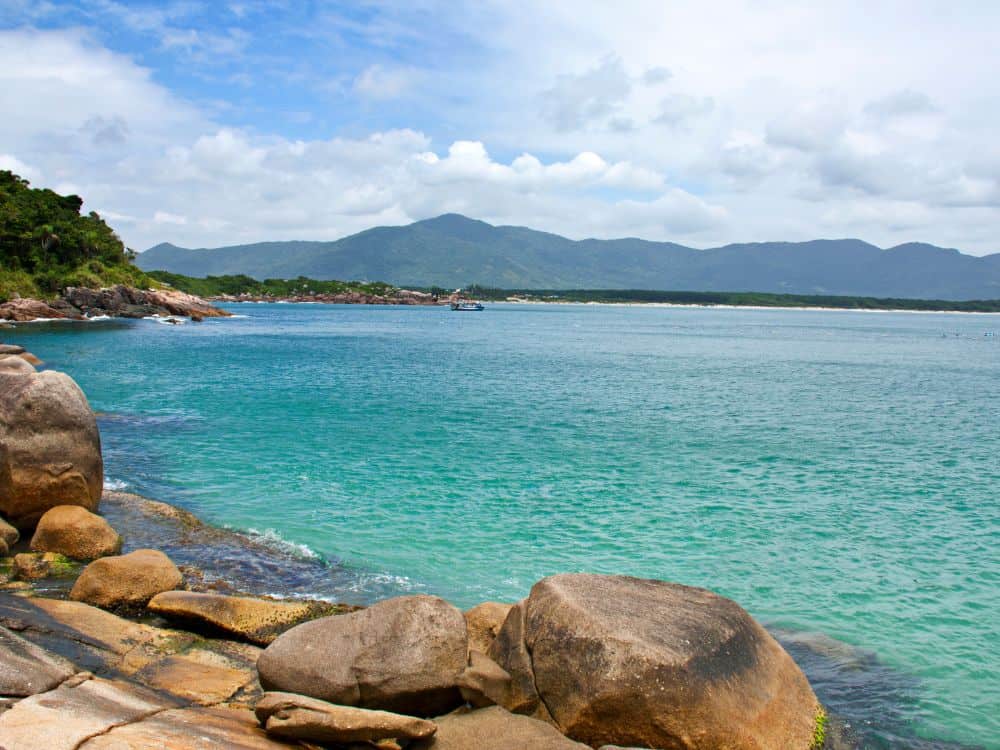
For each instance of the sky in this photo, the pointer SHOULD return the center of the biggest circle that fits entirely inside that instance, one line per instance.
(207, 123)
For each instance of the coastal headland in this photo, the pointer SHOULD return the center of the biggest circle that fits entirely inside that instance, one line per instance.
(100, 649)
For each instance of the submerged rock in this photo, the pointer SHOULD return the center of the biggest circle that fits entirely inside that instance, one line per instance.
(403, 654)
(50, 449)
(626, 661)
(302, 718)
(75, 532)
(494, 729)
(256, 620)
(126, 581)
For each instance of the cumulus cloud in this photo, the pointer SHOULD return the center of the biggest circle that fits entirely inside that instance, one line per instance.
(678, 109)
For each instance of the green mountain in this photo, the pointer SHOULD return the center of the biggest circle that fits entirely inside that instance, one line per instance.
(453, 250)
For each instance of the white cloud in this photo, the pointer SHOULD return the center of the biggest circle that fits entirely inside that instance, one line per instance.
(379, 82)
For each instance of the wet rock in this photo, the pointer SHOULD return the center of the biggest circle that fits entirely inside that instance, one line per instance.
(126, 581)
(190, 729)
(302, 718)
(484, 622)
(50, 449)
(63, 718)
(627, 661)
(403, 655)
(253, 619)
(32, 566)
(26, 669)
(494, 728)
(6, 349)
(75, 532)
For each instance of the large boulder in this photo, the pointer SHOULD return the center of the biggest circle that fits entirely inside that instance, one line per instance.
(627, 661)
(75, 532)
(252, 619)
(494, 728)
(403, 655)
(50, 449)
(297, 717)
(126, 581)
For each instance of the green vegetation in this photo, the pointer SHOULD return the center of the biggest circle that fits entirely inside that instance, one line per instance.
(819, 732)
(215, 286)
(46, 245)
(736, 299)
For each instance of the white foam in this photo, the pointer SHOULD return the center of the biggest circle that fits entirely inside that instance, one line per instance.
(115, 485)
(273, 539)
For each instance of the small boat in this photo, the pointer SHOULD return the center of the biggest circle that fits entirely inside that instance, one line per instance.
(467, 306)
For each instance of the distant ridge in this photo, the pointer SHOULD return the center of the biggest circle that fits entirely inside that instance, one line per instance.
(453, 250)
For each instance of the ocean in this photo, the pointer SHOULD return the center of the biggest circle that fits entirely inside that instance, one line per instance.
(836, 473)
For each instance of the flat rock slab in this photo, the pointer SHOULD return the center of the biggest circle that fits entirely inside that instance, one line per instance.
(199, 675)
(26, 669)
(301, 718)
(494, 729)
(63, 718)
(253, 619)
(89, 637)
(190, 729)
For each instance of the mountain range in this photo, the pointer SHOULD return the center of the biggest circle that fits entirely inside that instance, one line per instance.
(454, 250)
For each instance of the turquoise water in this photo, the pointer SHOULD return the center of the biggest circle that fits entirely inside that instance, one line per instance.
(834, 472)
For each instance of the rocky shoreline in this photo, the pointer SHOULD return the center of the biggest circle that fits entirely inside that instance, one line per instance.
(100, 649)
(78, 303)
(397, 297)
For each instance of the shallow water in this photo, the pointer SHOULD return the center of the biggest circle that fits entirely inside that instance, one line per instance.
(834, 472)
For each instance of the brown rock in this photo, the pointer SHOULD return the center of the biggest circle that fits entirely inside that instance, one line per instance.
(21, 310)
(30, 358)
(626, 661)
(221, 728)
(403, 654)
(63, 718)
(199, 675)
(75, 532)
(484, 682)
(484, 622)
(511, 653)
(126, 581)
(494, 728)
(298, 717)
(6, 349)
(26, 669)
(256, 620)
(15, 366)
(8, 533)
(31, 566)
(50, 449)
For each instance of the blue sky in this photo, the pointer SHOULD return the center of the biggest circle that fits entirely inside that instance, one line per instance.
(207, 123)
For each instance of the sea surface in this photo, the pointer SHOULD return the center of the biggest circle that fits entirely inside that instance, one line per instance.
(837, 473)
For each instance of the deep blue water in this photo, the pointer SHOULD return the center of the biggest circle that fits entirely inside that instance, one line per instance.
(836, 473)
